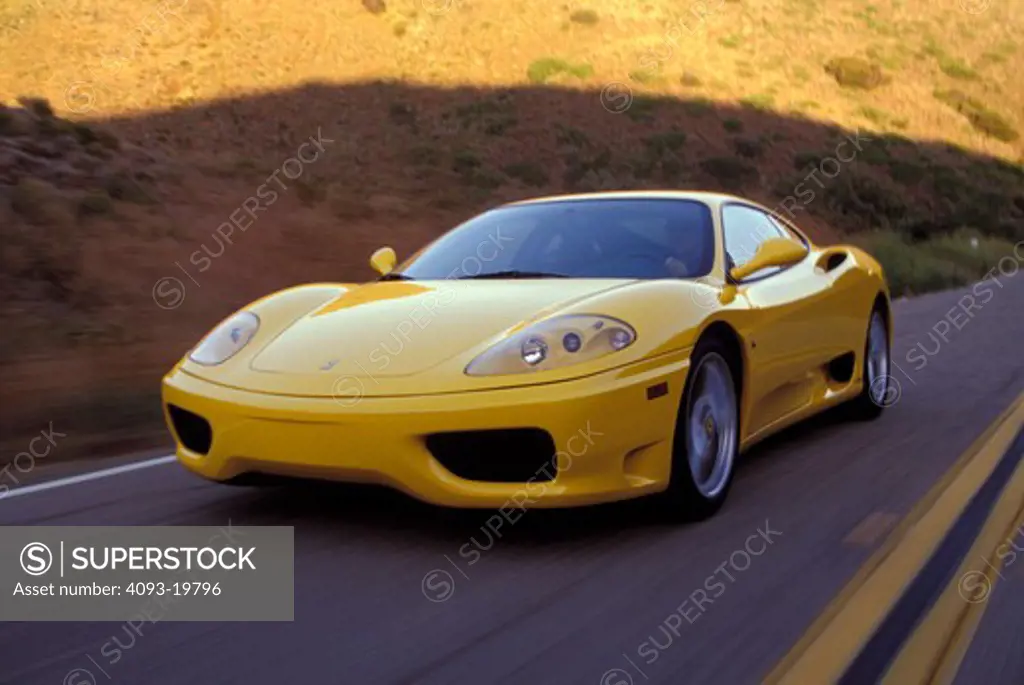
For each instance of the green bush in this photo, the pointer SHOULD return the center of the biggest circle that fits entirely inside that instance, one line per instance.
(530, 173)
(805, 159)
(38, 201)
(123, 185)
(464, 161)
(956, 68)
(869, 199)
(732, 173)
(752, 148)
(546, 68)
(588, 17)
(908, 269)
(981, 117)
(968, 250)
(95, 203)
(669, 140)
(760, 101)
(856, 72)
(644, 77)
(944, 261)
(732, 125)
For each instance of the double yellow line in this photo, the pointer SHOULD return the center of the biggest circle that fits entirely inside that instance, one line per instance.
(909, 614)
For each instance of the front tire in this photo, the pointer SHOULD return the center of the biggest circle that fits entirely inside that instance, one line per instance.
(877, 386)
(706, 441)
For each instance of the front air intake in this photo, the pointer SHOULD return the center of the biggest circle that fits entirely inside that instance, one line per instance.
(192, 430)
(507, 455)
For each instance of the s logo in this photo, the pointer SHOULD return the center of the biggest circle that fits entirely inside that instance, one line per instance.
(36, 558)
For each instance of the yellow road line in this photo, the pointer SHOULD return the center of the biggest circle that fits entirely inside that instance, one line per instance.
(836, 637)
(934, 652)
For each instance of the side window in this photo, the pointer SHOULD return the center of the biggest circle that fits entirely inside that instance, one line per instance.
(787, 230)
(744, 229)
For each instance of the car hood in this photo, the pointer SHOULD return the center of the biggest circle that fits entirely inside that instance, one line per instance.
(396, 337)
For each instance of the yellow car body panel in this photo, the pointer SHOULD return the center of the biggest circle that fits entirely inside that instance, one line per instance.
(346, 381)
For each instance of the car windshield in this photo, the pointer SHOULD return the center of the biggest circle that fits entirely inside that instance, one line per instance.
(600, 238)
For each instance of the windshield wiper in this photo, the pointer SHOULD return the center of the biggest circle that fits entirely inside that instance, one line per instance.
(512, 273)
(395, 276)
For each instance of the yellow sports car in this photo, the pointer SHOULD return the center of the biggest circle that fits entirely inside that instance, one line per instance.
(553, 352)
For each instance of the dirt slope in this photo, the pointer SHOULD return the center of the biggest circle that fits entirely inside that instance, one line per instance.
(168, 117)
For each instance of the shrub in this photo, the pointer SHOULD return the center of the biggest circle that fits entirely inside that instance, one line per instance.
(908, 269)
(464, 161)
(957, 69)
(530, 173)
(939, 262)
(761, 101)
(587, 17)
(644, 76)
(669, 140)
(402, 113)
(732, 173)
(38, 106)
(567, 135)
(14, 122)
(698, 106)
(749, 147)
(868, 199)
(84, 134)
(37, 201)
(980, 117)
(968, 250)
(483, 178)
(577, 166)
(546, 68)
(122, 185)
(907, 173)
(807, 105)
(642, 108)
(95, 203)
(875, 116)
(802, 160)
(875, 152)
(856, 72)
(733, 125)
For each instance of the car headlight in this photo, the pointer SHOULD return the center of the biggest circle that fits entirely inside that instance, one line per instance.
(556, 342)
(226, 340)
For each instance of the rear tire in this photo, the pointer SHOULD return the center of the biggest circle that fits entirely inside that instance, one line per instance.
(705, 444)
(878, 388)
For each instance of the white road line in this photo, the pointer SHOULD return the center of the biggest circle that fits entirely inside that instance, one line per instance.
(85, 477)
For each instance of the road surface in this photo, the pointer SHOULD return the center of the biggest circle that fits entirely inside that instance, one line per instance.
(585, 596)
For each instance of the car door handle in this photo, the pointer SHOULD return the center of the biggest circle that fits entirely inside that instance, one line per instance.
(831, 260)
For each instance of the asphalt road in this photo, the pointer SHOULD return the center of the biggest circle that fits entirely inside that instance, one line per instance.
(566, 597)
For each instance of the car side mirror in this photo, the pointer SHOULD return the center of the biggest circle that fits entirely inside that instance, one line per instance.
(772, 252)
(383, 260)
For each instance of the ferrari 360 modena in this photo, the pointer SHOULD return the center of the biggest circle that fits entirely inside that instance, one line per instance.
(546, 353)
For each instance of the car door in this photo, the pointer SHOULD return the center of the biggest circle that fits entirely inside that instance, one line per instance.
(789, 323)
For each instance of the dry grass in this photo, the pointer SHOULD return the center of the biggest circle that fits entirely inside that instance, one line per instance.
(166, 123)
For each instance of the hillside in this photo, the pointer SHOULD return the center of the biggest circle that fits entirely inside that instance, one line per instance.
(132, 134)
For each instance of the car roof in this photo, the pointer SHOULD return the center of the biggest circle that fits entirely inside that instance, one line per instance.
(709, 198)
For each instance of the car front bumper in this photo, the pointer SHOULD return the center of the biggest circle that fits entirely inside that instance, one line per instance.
(612, 434)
